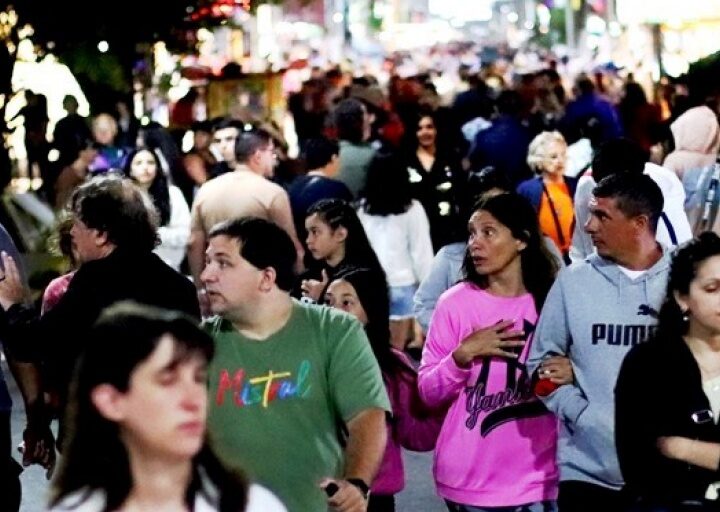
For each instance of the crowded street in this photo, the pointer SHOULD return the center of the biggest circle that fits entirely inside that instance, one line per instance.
(360, 256)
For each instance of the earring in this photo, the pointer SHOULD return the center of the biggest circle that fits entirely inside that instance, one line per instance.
(686, 316)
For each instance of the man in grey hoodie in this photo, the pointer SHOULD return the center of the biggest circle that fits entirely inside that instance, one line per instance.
(596, 311)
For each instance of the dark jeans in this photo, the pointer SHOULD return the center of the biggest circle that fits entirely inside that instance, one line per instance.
(9, 469)
(381, 503)
(578, 496)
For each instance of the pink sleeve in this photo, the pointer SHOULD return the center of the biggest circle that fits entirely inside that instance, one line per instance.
(441, 380)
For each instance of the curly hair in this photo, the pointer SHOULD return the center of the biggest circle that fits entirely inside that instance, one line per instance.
(115, 206)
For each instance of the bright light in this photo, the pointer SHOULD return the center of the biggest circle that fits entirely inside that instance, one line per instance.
(338, 17)
(543, 15)
(512, 17)
(614, 29)
(475, 10)
(595, 24)
(103, 46)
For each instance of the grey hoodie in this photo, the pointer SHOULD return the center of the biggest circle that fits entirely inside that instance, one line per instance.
(594, 314)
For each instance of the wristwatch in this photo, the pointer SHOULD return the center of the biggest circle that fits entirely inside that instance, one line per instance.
(360, 484)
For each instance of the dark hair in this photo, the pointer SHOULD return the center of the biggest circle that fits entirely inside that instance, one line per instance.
(618, 155)
(683, 269)
(59, 243)
(538, 266)
(248, 143)
(264, 245)
(372, 290)
(584, 84)
(336, 213)
(220, 123)
(634, 194)
(95, 458)
(157, 138)
(201, 126)
(509, 102)
(116, 207)
(387, 187)
(410, 139)
(319, 152)
(349, 118)
(159, 190)
(486, 179)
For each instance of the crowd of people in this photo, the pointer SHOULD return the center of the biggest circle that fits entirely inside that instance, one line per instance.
(524, 282)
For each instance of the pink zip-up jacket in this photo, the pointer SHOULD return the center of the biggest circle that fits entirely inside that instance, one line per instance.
(414, 426)
(497, 444)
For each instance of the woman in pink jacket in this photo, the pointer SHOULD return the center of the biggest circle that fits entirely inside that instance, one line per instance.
(496, 448)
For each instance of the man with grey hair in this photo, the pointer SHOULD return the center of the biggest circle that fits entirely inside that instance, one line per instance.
(245, 192)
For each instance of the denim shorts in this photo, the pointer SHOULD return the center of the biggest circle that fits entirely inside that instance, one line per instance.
(401, 301)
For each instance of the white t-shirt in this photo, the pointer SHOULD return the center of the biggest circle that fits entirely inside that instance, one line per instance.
(632, 274)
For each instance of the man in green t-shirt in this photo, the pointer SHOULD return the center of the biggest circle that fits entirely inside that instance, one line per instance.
(288, 378)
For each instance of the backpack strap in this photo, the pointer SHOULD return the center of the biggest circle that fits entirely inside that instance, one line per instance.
(669, 227)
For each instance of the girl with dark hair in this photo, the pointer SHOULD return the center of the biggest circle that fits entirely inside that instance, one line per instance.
(497, 443)
(398, 230)
(336, 239)
(143, 167)
(413, 426)
(435, 175)
(667, 436)
(136, 423)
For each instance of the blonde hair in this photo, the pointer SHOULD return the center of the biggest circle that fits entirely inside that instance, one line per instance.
(535, 158)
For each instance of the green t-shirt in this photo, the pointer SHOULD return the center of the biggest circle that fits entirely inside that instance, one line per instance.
(276, 404)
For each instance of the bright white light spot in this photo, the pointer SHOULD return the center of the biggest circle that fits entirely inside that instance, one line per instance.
(543, 14)
(53, 155)
(338, 17)
(103, 46)
(512, 17)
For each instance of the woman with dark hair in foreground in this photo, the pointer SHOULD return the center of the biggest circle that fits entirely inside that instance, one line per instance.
(667, 396)
(136, 423)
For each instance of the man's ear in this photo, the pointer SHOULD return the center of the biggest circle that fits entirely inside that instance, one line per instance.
(108, 401)
(642, 221)
(268, 280)
(101, 238)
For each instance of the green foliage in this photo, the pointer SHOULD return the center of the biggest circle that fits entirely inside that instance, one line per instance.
(100, 68)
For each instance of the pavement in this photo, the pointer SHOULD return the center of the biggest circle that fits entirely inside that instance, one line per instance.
(418, 495)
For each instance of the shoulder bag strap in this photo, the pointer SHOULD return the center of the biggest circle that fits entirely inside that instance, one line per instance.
(555, 216)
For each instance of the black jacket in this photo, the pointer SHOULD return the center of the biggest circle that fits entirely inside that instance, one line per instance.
(57, 338)
(659, 393)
